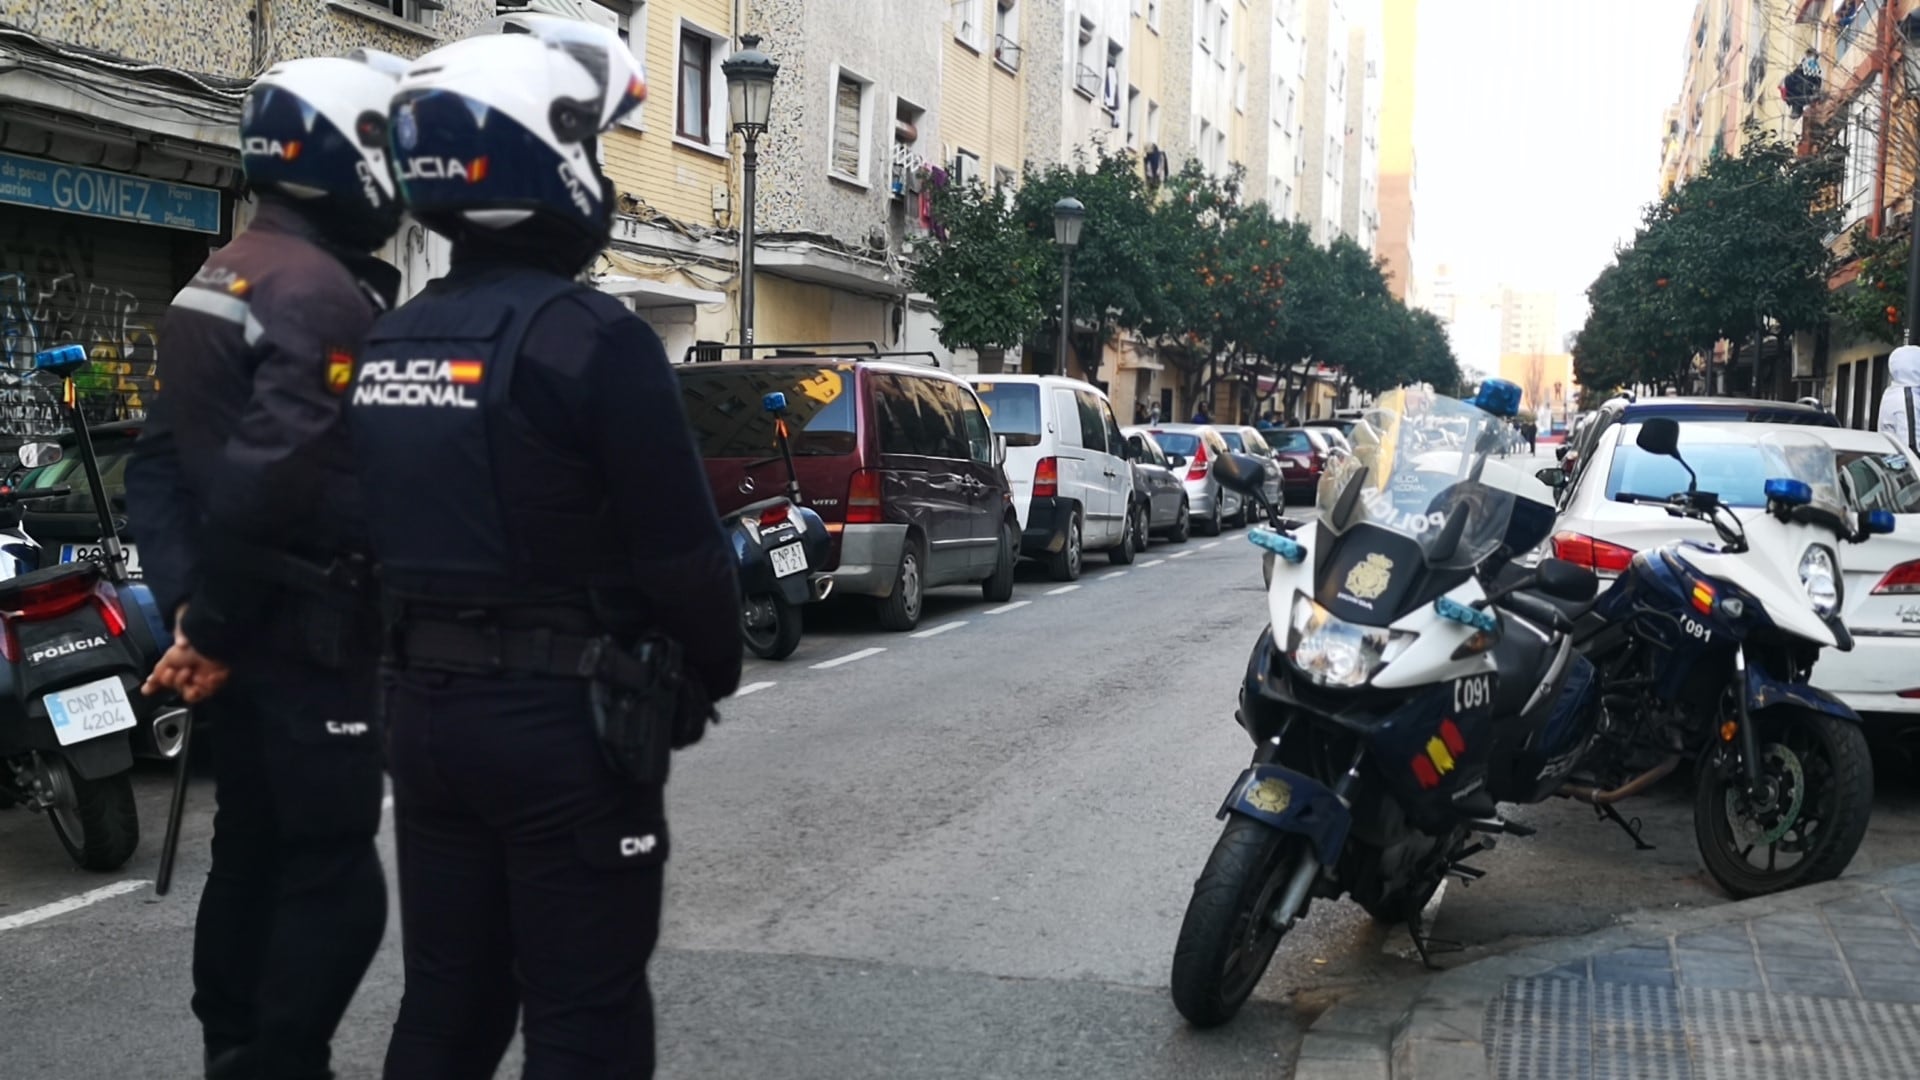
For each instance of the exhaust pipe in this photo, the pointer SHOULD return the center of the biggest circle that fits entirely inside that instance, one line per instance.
(1586, 793)
(169, 730)
(822, 587)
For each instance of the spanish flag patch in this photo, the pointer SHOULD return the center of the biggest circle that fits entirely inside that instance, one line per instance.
(339, 370)
(463, 372)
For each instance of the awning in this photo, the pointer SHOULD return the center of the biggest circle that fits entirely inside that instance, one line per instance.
(818, 264)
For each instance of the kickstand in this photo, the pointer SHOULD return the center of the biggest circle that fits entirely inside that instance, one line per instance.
(1631, 828)
(1426, 946)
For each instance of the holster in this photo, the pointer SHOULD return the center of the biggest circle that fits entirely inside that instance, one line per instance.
(327, 612)
(644, 706)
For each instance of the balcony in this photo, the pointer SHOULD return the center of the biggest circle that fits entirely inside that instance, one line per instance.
(1858, 31)
(1006, 52)
(1086, 82)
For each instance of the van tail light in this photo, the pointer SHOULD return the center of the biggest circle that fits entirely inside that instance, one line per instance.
(774, 515)
(1197, 468)
(1046, 478)
(1318, 461)
(863, 498)
(1902, 580)
(1596, 555)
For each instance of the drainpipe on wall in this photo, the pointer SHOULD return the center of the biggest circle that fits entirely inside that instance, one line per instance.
(1885, 69)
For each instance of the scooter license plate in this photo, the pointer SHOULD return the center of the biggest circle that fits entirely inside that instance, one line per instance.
(76, 552)
(90, 710)
(789, 560)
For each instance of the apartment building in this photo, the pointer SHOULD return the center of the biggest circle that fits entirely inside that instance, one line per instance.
(1324, 108)
(1279, 78)
(1398, 183)
(120, 163)
(1360, 195)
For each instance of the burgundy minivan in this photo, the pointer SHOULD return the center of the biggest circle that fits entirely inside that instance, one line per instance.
(897, 459)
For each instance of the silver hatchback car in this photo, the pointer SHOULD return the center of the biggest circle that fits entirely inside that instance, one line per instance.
(1192, 449)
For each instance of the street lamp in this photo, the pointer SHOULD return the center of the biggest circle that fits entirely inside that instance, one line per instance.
(750, 74)
(1910, 32)
(1069, 214)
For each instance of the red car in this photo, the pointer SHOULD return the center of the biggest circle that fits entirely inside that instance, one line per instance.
(1302, 454)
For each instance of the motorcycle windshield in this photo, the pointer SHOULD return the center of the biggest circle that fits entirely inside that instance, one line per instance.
(1416, 471)
(1798, 456)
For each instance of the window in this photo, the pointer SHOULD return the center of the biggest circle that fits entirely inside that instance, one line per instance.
(1240, 86)
(1225, 40)
(700, 101)
(633, 32)
(973, 422)
(1093, 424)
(1333, 154)
(1203, 146)
(1006, 33)
(1203, 23)
(1880, 481)
(1014, 410)
(1005, 180)
(847, 143)
(966, 167)
(1863, 151)
(969, 26)
(722, 402)
(1086, 77)
(1110, 82)
(1153, 15)
(1153, 123)
(423, 12)
(1133, 117)
(915, 417)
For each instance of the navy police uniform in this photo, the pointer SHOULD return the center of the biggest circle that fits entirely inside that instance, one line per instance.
(533, 488)
(243, 499)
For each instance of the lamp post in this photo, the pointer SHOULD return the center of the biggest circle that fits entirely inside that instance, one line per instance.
(1910, 34)
(750, 74)
(1069, 214)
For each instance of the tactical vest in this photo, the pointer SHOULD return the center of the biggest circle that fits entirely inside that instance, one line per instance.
(431, 416)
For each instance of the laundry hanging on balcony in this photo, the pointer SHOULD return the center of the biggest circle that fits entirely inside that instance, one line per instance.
(1801, 87)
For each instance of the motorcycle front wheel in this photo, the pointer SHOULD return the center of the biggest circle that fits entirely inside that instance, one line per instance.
(770, 626)
(1226, 939)
(1806, 822)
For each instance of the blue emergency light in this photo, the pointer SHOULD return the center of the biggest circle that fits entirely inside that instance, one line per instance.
(1499, 397)
(61, 360)
(1789, 492)
(775, 402)
(1879, 522)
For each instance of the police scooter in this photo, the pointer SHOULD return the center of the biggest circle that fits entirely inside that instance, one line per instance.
(775, 541)
(76, 641)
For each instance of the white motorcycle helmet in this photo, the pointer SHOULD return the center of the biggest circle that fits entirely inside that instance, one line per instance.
(314, 131)
(498, 131)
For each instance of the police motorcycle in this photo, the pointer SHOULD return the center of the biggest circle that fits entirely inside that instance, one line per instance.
(1397, 693)
(77, 639)
(775, 543)
(20, 553)
(1705, 650)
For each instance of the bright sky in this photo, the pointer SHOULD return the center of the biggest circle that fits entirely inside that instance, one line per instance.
(1537, 134)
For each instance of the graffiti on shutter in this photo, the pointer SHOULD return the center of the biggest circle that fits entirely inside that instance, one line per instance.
(846, 127)
(66, 280)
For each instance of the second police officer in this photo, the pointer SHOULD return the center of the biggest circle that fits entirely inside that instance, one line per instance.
(561, 598)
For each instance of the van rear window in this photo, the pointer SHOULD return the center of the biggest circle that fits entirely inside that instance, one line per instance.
(723, 405)
(1013, 410)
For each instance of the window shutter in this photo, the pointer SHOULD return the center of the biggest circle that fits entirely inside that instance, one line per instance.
(846, 128)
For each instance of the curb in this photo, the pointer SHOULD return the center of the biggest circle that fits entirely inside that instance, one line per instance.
(1434, 1028)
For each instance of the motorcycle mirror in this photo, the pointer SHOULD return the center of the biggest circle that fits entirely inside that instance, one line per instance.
(1551, 476)
(1239, 473)
(1448, 541)
(999, 449)
(1660, 435)
(775, 402)
(1567, 581)
(34, 455)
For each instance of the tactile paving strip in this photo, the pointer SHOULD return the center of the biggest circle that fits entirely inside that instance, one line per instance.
(1572, 1029)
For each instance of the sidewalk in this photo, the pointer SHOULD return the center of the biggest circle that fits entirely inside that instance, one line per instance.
(1819, 983)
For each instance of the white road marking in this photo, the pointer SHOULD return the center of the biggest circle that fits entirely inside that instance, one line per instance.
(941, 629)
(1210, 547)
(1151, 563)
(1062, 589)
(1179, 554)
(752, 688)
(71, 903)
(1004, 608)
(848, 659)
(1111, 574)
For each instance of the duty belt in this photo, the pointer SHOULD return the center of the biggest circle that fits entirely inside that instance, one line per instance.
(487, 648)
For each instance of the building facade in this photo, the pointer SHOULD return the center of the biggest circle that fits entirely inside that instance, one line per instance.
(1360, 196)
(120, 165)
(1398, 179)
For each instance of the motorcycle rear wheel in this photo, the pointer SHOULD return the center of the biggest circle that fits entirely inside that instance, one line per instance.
(1226, 941)
(777, 631)
(97, 821)
(1823, 774)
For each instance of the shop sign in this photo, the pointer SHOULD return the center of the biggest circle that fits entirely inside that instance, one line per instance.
(76, 189)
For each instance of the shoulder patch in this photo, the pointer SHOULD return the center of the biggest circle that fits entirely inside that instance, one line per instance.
(339, 369)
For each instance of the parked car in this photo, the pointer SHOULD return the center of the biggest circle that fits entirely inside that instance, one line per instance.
(898, 459)
(1072, 485)
(67, 526)
(1157, 488)
(1587, 431)
(1303, 457)
(1342, 426)
(1254, 443)
(1192, 449)
(1880, 591)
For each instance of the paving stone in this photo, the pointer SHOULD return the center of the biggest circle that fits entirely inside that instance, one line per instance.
(1433, 1059)
(1874, 902)
(1843, 923)
(1810, 985)
(1632, 974)
(1353, 1019)
(1783, 942)
(1728, 939)
(1904, 992)
(1729, 971)
(1569, 971)
(1446, 1019)
(1879, 971)
(1352, 1049)
(1824, 966)
(1639, 956)
(1872, 937)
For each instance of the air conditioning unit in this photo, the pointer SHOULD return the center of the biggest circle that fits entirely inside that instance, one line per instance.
(583, 10)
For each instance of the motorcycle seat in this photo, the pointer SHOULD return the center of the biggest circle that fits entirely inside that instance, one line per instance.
(1511, 573)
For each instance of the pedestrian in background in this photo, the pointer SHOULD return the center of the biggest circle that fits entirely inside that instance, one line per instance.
(1200, 414)
(1900, 402)
(250, 525)
(532, 700)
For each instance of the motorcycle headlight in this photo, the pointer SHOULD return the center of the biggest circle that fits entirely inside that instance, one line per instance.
(1821, 580)
(1333, 652)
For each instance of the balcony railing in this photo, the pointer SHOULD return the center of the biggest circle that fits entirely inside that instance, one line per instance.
(1007, 52)
(1087, 81)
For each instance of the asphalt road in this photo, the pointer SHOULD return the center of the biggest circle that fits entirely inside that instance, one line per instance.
(959, 853)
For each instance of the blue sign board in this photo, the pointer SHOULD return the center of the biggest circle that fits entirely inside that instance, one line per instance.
(76, 189)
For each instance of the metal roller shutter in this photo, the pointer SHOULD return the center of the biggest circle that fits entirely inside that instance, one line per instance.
(66, 279)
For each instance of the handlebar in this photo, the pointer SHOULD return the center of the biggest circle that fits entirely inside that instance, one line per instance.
(13, 494)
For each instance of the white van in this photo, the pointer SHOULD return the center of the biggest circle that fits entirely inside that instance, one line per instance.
(1072, 485)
